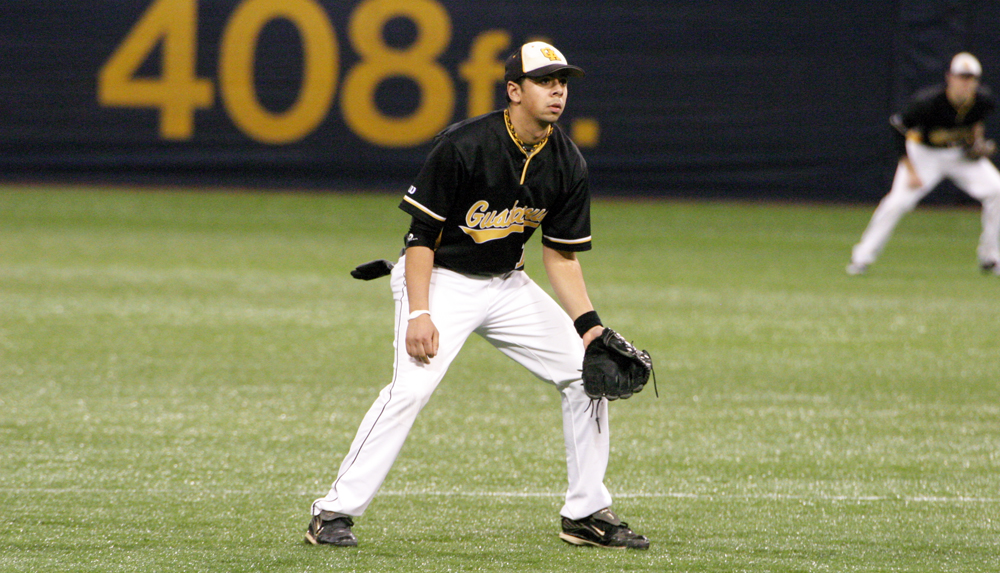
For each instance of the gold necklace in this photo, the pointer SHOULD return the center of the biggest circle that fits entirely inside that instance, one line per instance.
(529, 150)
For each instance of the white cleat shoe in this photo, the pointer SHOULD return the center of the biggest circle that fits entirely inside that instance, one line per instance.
(855, 269)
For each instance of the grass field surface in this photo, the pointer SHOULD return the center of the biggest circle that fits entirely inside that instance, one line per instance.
(182, 372)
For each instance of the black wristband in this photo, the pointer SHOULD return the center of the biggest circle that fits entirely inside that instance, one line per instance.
(586, 321)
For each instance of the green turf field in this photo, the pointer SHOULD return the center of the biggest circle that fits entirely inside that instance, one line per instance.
(181, 373)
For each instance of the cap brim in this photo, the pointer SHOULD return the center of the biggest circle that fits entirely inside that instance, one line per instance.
(565, 69)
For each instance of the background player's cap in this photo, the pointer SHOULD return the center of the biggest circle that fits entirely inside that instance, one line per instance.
(537, 59)
(965, 64)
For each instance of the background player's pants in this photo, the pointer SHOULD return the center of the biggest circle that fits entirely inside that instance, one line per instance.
(979, 178)
(522, 321)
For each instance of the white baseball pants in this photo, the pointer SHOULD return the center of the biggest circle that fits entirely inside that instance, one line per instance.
(979, 178)
(523, 322)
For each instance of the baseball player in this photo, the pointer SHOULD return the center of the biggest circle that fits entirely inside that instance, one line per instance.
(941, 134)
(488, 184)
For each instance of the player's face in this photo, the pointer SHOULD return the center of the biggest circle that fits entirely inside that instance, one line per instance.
(961, 87)
(544, 98)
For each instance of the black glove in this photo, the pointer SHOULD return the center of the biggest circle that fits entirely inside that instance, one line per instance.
(372, 270)
(613, 368)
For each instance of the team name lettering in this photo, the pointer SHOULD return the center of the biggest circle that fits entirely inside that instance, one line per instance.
(484, 225)
(944, 136)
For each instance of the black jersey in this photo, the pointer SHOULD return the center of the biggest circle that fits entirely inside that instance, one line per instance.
(483, 196)
(938, 122)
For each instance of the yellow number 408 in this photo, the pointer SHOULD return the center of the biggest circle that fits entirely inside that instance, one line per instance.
(177, 93)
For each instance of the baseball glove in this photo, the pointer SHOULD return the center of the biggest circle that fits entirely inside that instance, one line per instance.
(981, 148)
(372, 270)
(613, 368)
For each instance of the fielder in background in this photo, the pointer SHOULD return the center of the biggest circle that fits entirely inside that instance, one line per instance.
(488, 183)
(941, 135)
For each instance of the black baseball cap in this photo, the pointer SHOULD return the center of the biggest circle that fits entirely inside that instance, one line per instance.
(537, 59)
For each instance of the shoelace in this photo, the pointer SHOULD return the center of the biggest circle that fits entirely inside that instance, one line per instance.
(332, 522)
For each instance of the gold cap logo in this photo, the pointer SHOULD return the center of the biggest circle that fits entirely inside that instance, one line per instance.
(551, 54)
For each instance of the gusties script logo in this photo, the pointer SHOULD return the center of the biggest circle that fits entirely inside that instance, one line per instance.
(484, 225)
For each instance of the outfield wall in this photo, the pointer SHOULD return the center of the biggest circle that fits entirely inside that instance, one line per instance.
(765, 99)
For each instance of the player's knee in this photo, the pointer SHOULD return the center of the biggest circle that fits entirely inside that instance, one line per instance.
(906, 203)
(573, 389)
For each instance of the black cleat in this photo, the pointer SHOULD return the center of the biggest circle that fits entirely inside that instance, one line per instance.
(989, 268)
(335, 529)
(602, 529)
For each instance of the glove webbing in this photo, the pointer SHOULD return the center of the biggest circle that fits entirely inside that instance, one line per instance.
(651, 371)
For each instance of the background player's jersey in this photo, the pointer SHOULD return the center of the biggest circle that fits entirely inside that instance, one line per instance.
(937, 122)
(485, 196)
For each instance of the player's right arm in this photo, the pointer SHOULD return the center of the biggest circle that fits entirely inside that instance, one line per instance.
(914, 181)
(901, 132)
(427, 202)
(421, 334)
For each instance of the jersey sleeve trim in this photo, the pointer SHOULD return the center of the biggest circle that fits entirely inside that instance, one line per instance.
(424, 209)
(567, 241)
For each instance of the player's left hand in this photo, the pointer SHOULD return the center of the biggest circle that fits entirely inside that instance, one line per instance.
(613, 368)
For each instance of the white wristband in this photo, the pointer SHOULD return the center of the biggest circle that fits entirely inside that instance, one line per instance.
(417, 313)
